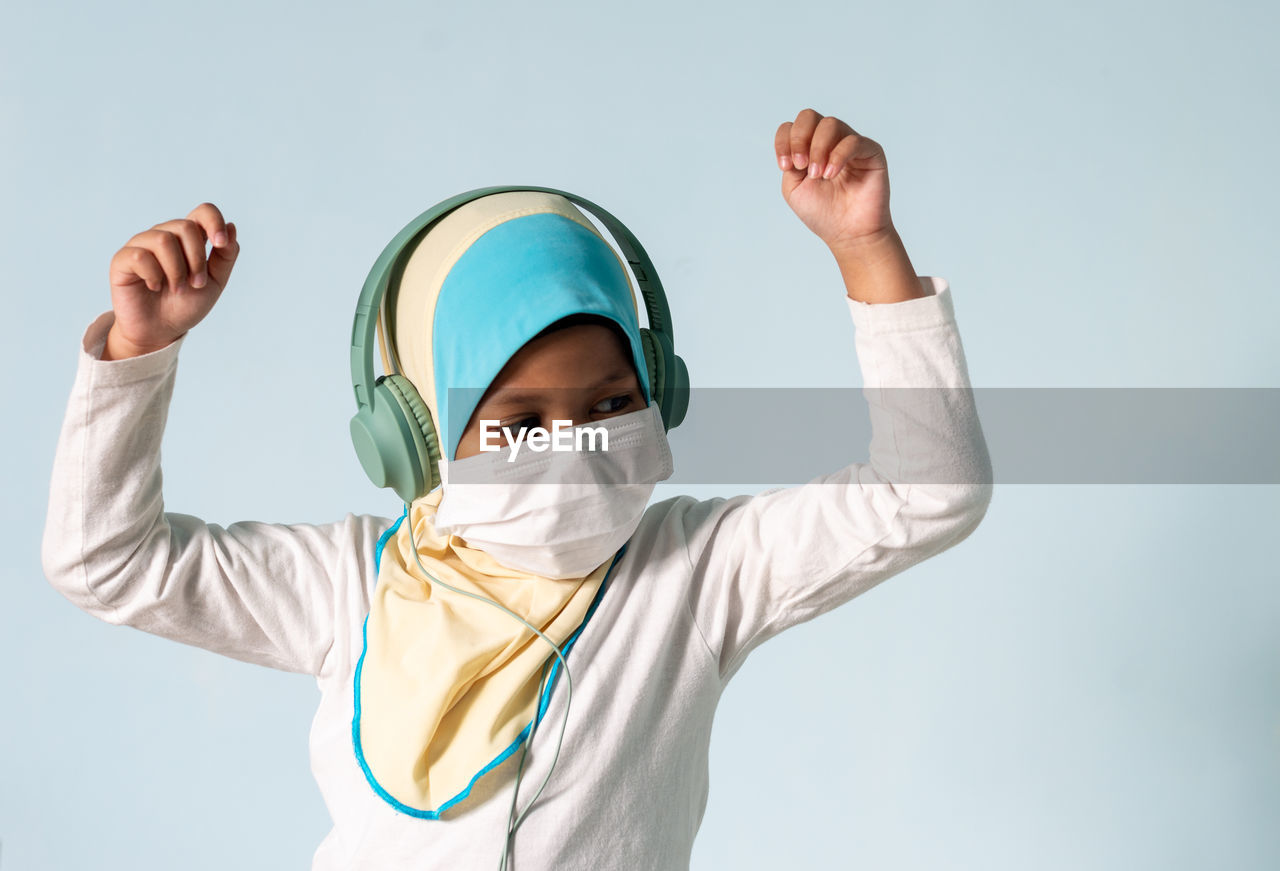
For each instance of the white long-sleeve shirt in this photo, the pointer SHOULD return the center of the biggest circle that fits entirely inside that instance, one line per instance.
(702, 584)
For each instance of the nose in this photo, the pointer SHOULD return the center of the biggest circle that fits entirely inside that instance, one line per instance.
(574, 414)
(571, 405)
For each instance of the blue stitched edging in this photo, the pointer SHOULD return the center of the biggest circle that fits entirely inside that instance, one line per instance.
(382, 539)
(524, 733)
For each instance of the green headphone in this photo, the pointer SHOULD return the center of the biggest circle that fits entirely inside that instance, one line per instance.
(392, 429)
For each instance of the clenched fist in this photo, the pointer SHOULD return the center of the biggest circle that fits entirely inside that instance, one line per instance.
(163, 283)
(835, 179)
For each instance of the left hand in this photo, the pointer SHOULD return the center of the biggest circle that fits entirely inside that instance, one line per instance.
(850, 205)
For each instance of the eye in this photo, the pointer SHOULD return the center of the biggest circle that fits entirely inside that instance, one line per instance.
(613, 404)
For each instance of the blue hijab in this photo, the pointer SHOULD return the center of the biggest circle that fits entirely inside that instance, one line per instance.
(511, 283)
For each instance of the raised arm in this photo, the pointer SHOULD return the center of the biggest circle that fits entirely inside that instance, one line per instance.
(258, 592)
(763, 563)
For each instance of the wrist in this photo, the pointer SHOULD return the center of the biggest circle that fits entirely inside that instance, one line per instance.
(876, 269)
(884, 244)
(117, 347)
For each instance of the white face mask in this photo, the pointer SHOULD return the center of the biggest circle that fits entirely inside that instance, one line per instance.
(557, 513)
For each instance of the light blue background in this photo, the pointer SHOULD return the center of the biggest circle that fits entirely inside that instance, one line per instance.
(1091, 681)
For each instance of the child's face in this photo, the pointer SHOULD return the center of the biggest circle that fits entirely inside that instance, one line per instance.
(580, 373)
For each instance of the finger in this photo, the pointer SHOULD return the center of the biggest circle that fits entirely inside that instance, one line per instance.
(801, 135)
(221, 259)
(167, 249)
(782, 145)
(132, 263)
(192, 236)
(859, 152)
(209, 216)
(829, 131)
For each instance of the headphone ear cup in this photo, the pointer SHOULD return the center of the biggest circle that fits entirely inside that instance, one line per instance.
(653, 361)
(679, 390)
(665, 372)
(395, 439)
(424, 453)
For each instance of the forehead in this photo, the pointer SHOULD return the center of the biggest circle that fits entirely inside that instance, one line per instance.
(576, 357)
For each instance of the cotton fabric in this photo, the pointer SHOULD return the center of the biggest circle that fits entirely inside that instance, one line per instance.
(701, 585)
(447, 685)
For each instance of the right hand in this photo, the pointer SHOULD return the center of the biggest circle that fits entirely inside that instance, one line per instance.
(162, 284)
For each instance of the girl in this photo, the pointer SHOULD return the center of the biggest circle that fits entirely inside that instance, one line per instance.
(438, 639)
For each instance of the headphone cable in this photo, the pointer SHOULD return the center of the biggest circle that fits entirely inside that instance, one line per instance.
(533, 724)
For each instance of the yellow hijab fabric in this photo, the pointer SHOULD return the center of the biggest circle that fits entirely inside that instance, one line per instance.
(447, 685)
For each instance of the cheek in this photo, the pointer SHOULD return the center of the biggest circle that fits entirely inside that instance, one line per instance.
(468, 444)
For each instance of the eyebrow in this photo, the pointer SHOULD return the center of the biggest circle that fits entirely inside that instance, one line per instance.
(513, 396)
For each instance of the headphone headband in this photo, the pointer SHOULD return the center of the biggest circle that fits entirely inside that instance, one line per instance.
(379, 280)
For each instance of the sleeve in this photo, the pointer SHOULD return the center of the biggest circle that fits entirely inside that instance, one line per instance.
(258, 592)
(761, 564)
